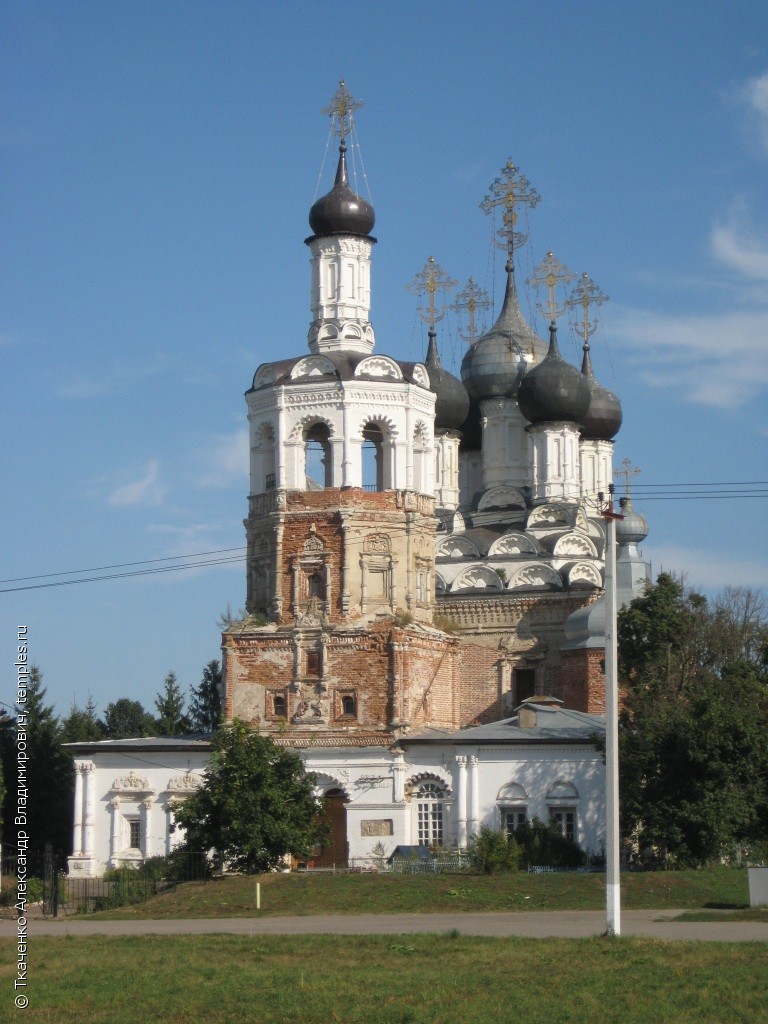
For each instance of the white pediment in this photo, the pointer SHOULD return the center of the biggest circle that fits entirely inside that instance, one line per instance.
(502, 497)
(584, 575)
(477, 577)
(379, 366)
(576, 545)
(264, 375)
(537, 575)
(420, 375)
(513, 543)
(551, 516)
(132, 783)
(314, 366)
(456, 547)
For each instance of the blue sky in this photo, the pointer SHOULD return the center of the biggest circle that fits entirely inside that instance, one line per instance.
(159, 161)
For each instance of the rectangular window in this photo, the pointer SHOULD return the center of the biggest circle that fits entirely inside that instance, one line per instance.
(565, 819)
(513, 818)
(430, 822)
(270, 482)
(134, 833)
(313, 663)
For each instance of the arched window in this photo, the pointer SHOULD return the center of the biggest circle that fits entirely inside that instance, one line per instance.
(429, 802)
(318, 465)
(373, 458)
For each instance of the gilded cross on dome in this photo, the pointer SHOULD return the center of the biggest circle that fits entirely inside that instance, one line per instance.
(341, 110)
(472, 298)
(586, 294)
(429, 281)
(627, 472)
(551, 272)
(509, 191)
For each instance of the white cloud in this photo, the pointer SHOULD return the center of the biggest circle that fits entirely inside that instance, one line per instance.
(755, 95)
(717, 360)
(705, 570)
(735, 243)
(224, 460)
(146, 490)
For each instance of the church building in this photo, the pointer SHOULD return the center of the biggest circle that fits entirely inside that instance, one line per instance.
(425, 564)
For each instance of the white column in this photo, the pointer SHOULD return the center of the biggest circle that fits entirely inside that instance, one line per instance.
(90, 780)
(461, 802)
(114, 832)
(168, 833)
(398, 772)
(474, 796)
(146, 807)
(77, 832)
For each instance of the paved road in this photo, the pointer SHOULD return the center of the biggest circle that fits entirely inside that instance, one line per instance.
(656, 924)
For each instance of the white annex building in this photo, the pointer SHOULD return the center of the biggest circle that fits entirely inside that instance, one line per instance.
(425, 622)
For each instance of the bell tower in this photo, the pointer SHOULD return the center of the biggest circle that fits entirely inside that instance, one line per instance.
(338, 644)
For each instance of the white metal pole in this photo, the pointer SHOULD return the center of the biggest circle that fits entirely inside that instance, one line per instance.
(612, 889)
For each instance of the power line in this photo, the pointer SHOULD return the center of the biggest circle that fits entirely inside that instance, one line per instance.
(122, 565)
(737, 489)
(124, 575)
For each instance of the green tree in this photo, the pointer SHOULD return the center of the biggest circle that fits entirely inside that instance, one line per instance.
(692, 738)
(81, 724)
(170, 703)
(49, 776)
(256, 805)
(492, 852)
(205, 700)
(125, 719)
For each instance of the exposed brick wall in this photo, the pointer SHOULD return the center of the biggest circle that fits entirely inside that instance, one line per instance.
(392, 672)
(583, 677)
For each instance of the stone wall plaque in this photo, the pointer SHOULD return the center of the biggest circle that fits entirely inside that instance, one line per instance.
(377, 827)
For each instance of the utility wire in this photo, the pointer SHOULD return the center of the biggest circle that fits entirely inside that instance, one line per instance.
(123, 565)
(737, 489)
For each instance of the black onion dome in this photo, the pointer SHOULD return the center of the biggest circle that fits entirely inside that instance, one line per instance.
(341, 211)
(494, 366)
(554, 390)
(603, 417)
(452, 405)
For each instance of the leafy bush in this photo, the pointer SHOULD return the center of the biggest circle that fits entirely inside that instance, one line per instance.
(492, 852)
(543, 844)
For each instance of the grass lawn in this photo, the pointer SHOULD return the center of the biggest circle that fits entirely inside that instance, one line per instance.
(414, 979)
(302, 894)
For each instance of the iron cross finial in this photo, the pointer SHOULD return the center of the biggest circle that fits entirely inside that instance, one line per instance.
(627, 472)
(428, 282)
(472, 299)
(586, 294)
(341, 110)
(551, 272)
(509, 191)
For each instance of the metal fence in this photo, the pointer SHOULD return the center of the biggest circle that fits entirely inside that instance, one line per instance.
(122, 887)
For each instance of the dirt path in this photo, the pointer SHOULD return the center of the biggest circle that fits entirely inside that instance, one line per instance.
(656, 924)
